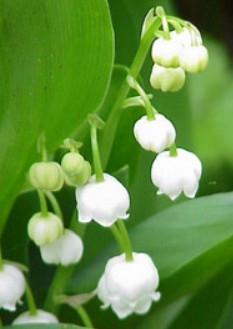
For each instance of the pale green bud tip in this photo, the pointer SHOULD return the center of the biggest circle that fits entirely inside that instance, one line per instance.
(44, 229)
(72, 163)
(46, 176)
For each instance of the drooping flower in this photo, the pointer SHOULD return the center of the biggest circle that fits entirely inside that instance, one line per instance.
(194, 59)
(12, 287)
(129, 286)
(44, 229)
(166, 52)
(176, 174)
(66, 250)
(104, 201)
(167, 78)
(154, 135)
(40, 317)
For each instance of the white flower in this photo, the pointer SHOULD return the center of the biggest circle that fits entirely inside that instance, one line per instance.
(40, 317)
(187, 37)
(166, 52)
(176, 174)
(154, 135)
(167, 78)
(103, 202)
(68, 249)
(194, 59)
(12, 287)
(129, 286)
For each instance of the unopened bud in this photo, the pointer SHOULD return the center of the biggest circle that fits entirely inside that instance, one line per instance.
(72, 163)
(46, 176)
(44, 229)
(81, 177)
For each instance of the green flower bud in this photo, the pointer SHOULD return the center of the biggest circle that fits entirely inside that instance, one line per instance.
(46, 176)
(81, 177)
(72, 163)
(44, 229)
(167, 79)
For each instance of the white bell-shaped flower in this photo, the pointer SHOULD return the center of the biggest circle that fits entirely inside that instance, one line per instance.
(167, 78)
(166, 52)
(40, 317)
(66, 250)
(194, 59)
(176, 174)
(129, 286)
(187, 37)
(103, 202)
(154, 135)
(12, 287)
(44, 229)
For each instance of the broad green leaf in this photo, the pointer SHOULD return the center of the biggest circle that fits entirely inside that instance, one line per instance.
(162, 317)
(51, 78)
(45, 326)
(189, 242)
(206, 308)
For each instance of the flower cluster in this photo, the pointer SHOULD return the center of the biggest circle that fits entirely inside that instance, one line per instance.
(129, 283)
(171, 173)
(180, 51)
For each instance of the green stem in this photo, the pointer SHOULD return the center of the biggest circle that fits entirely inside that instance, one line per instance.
(30, 299)
(54, 204)
(176, 25)
(126, 240)
(161, 13)
(96, 155)
(42, 147)
(57, 286)
(1, 260)
(62, 274)
(43, 204)
(173, 150)
(149, 108)
(118, 237)
(84, 316)
(114, 117)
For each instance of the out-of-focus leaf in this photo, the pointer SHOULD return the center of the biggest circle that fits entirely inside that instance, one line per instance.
(211, 102)
(51, 77)
(45, 326)
(206, 308)
(161, 317)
